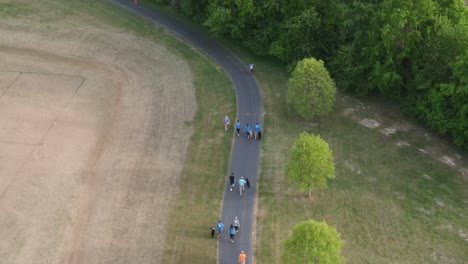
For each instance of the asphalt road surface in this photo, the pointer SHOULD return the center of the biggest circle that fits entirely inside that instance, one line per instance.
(245, 153)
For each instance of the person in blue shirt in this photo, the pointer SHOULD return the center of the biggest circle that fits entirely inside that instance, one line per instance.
(232, 232)
(257, 130)
(248, 131)
(220, 227)
(238, 127)
(241, 185)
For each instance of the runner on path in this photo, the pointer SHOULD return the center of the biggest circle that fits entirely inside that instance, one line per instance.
(236, 224)
(238, 127)
(232, 181)
(226, 123)
(241, 185)
(220, 227)
(242, 257)
(251, 68)
(257, 130)
(248, 130)
(232, 232)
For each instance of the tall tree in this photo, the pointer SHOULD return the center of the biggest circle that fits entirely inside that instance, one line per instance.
(313, 242)
(310, 163)
(311, 90)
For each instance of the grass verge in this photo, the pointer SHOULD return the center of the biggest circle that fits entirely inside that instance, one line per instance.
(201, 187)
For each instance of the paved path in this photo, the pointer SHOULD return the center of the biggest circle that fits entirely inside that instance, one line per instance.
(245, 153)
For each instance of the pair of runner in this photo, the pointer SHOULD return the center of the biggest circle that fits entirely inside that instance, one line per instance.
(233, 229)
(242, 183)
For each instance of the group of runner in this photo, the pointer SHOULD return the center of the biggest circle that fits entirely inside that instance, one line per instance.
(233, 230)
(234, 227)
(254, 132)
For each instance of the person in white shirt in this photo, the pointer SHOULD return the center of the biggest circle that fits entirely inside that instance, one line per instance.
(236, 224)
(251, 68)
(226, 123)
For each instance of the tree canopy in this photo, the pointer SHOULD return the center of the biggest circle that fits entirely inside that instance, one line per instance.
(313, 242)
(311, 90)
(406, 50)
(310, 163)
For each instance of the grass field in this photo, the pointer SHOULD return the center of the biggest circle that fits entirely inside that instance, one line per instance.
(202, 183)
(400, 193)
(198, 201)
(394, 200)
(199, 188)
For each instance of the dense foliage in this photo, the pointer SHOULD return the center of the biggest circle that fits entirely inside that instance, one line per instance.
(313, 242)
(412, 51)
(311, 90)
(310, 163)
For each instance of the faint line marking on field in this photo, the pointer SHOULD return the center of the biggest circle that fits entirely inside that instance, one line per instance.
(11, 84)
(20, 143)
(41, 141)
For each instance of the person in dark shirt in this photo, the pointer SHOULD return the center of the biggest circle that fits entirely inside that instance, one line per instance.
(212, 232)
(232, 181)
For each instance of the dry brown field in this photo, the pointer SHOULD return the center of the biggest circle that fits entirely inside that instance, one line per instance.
(93, 136)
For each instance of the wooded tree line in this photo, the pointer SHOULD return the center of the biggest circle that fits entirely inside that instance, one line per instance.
(414, 52)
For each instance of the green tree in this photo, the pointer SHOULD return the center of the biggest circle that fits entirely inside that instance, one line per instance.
(196, 9)
(310, 163)
(297, 38)
(403, 49)
(311, 90)
(445, 107)
(459, 101)
(313, 242)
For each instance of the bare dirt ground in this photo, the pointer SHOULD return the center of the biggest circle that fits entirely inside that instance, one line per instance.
(92, 142)
(434, 147)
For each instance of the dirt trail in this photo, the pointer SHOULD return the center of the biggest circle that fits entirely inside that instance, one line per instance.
(92, 142)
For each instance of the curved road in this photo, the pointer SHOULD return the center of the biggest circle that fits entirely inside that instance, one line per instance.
(245, 153)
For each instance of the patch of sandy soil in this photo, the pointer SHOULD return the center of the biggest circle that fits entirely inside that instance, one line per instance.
(374, 116)
(92, 142)
(370, 123)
